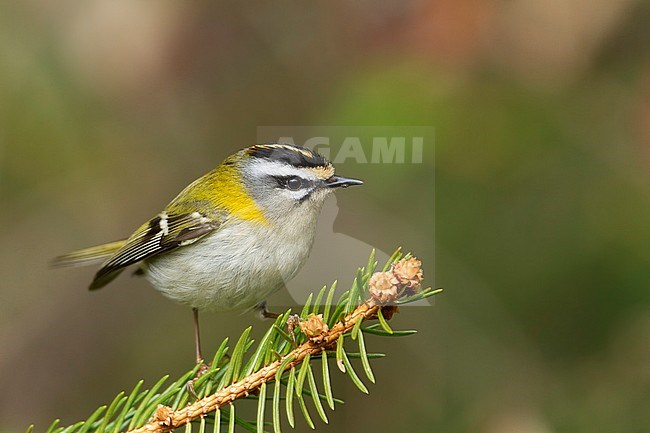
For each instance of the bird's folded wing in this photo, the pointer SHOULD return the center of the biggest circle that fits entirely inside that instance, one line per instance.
(162, 233)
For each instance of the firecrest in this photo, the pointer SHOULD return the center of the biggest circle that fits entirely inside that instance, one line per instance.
(232, 237)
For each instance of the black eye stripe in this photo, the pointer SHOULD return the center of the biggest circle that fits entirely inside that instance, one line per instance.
(293, 183)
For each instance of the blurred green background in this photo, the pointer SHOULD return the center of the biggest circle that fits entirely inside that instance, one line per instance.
(542, 117)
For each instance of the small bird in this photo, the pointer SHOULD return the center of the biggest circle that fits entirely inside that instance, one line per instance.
(232, 237)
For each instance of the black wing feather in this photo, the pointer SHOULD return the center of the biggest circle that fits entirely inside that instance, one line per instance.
(160, 234)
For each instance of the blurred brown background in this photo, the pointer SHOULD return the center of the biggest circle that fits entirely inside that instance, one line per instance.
(541, 108)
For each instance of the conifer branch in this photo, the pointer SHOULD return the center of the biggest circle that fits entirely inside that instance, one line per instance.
(282, 359)
(165, 419)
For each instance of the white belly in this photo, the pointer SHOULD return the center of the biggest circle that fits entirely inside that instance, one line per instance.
(234, 268)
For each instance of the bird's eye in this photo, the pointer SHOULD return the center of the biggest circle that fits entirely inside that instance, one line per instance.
(294, 183)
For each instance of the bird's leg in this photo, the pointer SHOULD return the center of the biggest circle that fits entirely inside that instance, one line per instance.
(263, 311)
(197, 344)
(197, 336)
(199, 358)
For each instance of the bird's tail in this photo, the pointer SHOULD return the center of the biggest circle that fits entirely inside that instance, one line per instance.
(88, 256)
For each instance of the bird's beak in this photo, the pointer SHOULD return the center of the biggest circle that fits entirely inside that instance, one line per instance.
(342, 182)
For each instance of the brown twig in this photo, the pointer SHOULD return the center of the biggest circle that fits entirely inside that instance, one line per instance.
(165, 419)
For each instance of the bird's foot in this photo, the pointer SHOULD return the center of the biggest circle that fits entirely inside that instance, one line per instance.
(203, 368)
